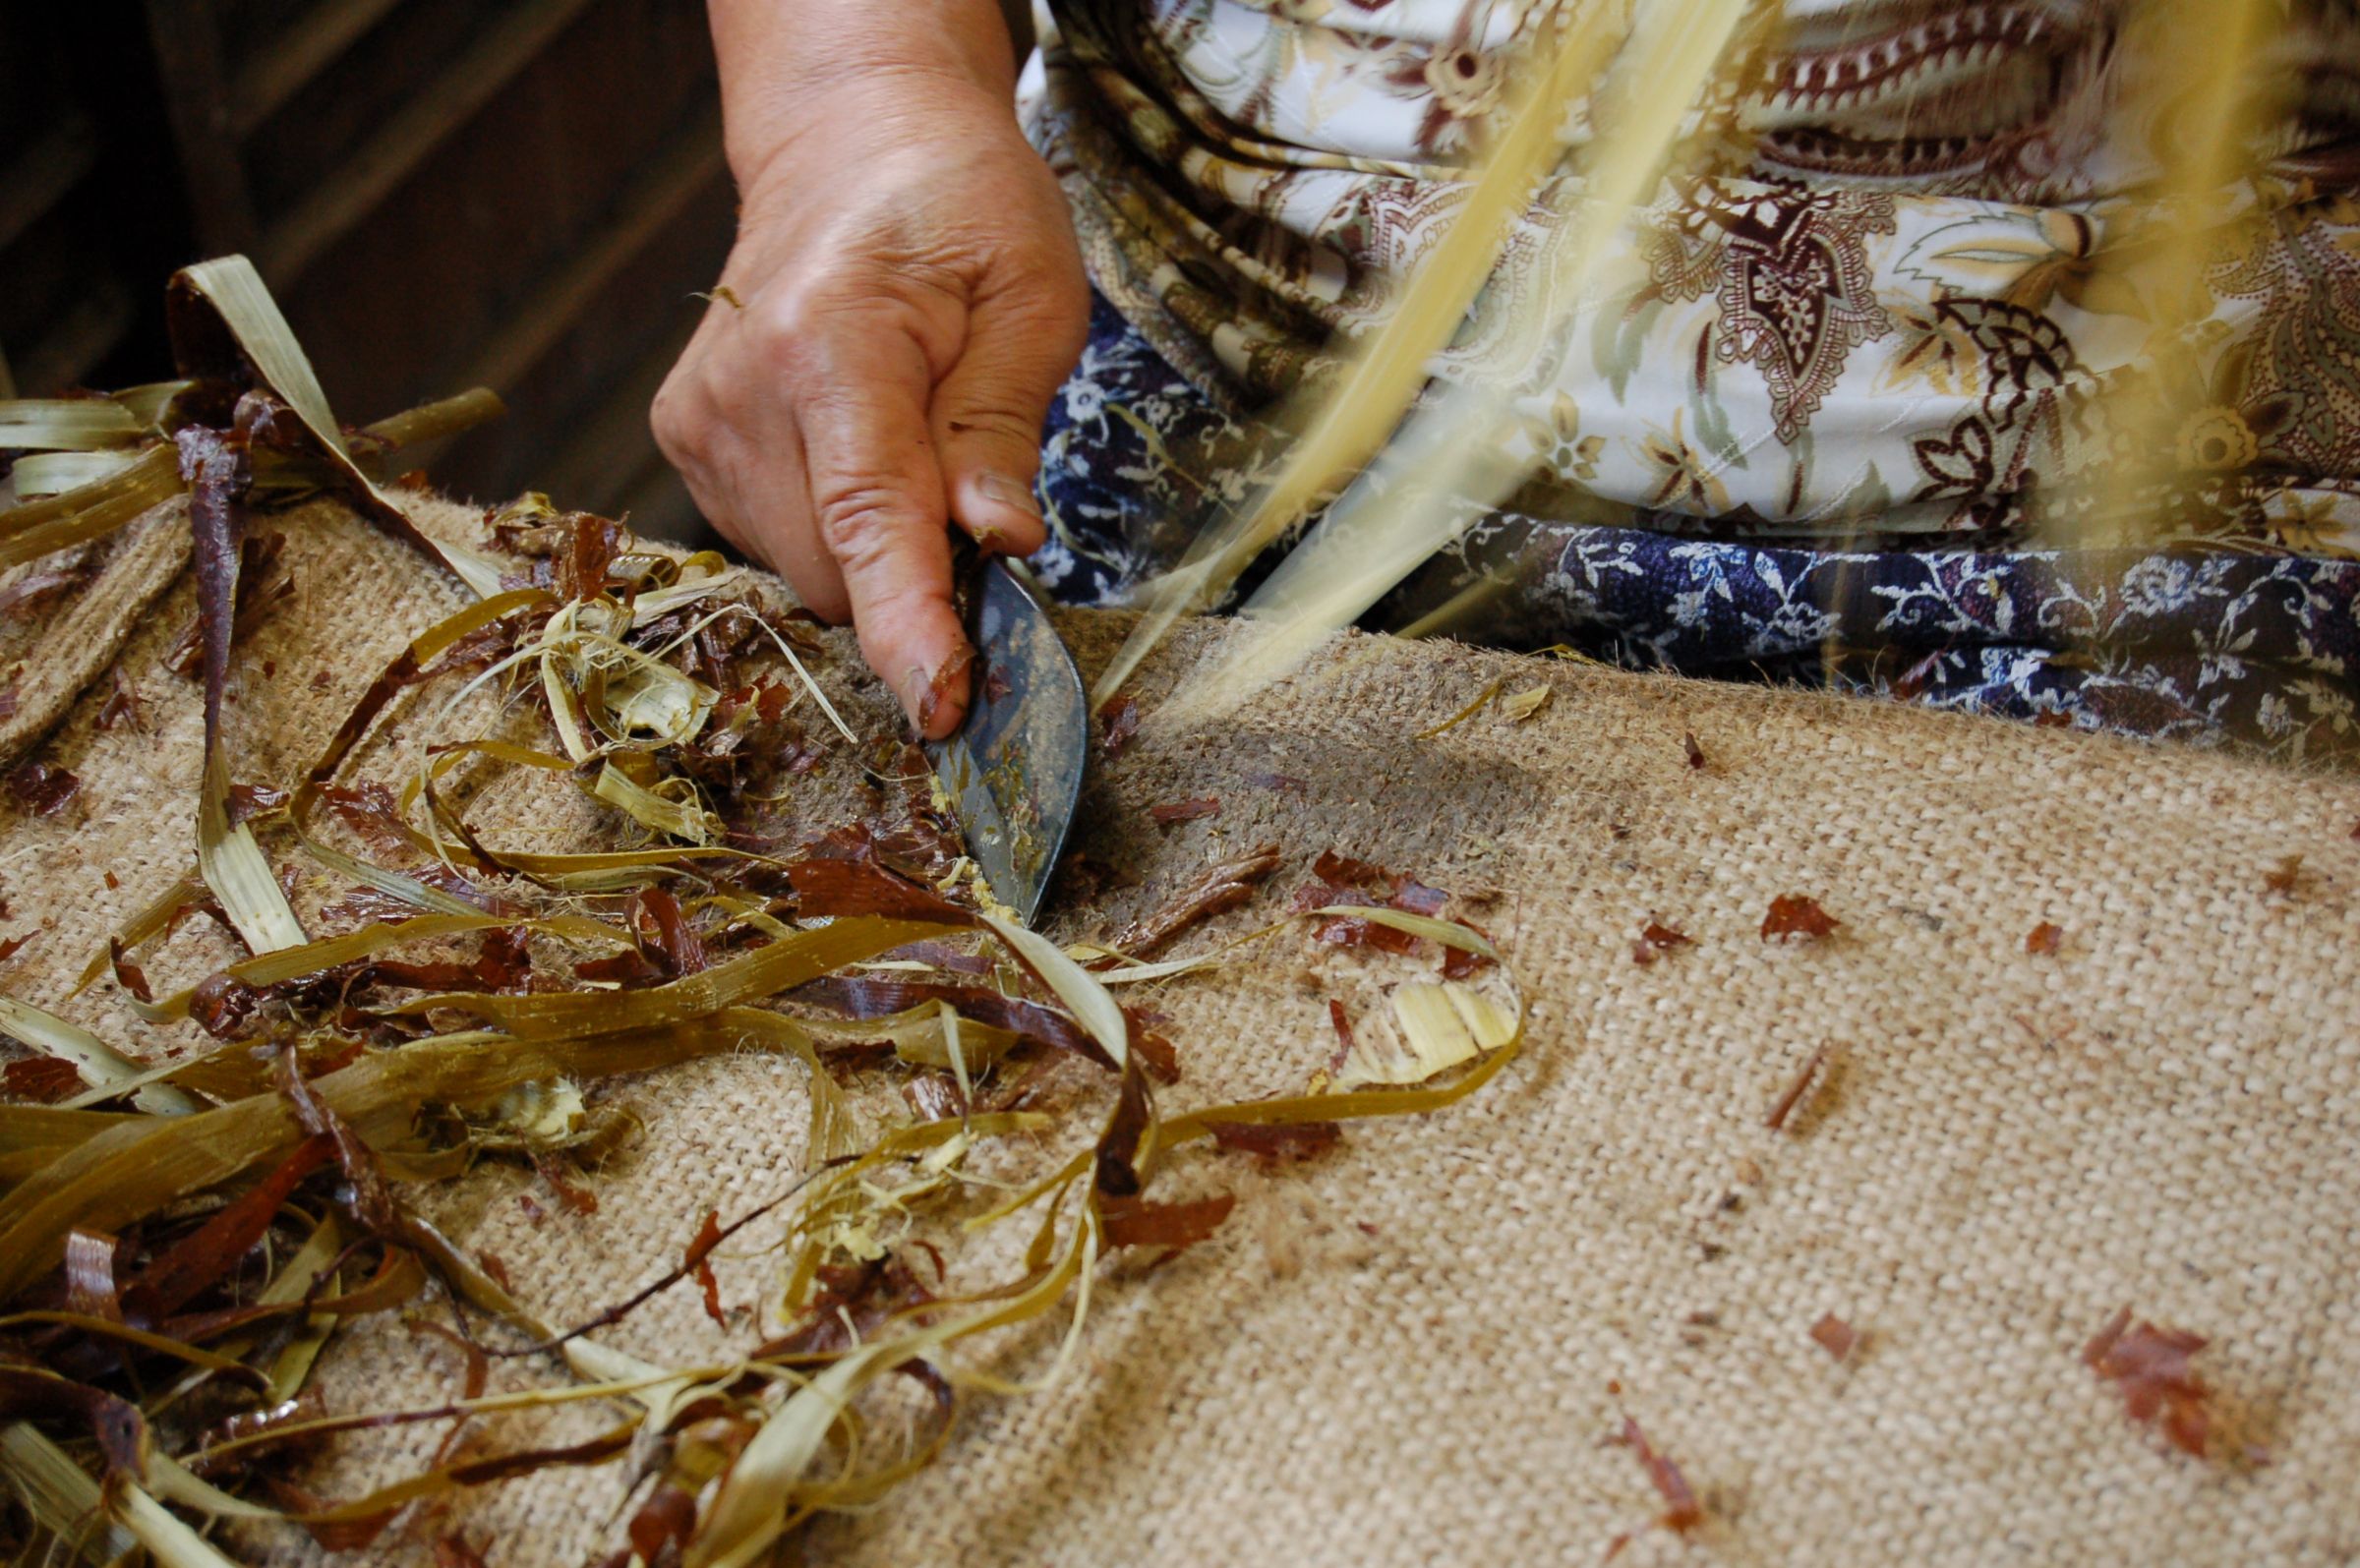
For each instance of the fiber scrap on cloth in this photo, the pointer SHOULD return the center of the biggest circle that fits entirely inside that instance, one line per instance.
(1420, 1345)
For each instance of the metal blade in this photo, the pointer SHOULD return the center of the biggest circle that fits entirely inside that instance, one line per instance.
(1014, 768)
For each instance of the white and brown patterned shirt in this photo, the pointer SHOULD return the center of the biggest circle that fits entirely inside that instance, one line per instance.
(1887, 300)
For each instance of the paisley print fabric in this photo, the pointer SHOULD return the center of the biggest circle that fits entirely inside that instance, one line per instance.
(1893, 304)
(1793, 282)
(2200, 644)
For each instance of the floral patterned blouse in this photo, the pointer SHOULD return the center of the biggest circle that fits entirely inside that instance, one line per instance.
(1882, 311)
(1886, 316)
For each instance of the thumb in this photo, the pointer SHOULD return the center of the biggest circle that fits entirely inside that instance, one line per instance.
(987, 412)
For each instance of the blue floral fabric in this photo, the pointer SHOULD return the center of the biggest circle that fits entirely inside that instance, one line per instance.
(2211, 645)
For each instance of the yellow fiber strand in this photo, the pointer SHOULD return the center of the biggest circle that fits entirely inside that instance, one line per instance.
(2201, 61)
(1368, 399)
(1445, 467)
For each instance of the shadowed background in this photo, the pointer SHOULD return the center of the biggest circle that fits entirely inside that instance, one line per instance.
(440, 193)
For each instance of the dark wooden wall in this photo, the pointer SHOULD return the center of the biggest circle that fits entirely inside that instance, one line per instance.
(440, 193)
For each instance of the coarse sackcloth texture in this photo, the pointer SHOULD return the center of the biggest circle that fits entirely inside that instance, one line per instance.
(58, 642)
(1401, 1352)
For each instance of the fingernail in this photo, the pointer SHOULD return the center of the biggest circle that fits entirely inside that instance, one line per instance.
(929, 693)
(1009, 493)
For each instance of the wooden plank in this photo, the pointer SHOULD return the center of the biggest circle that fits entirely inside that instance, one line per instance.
(658, 505)
(350, 192)
(39, 177)
(298, 54)
(650, 204)
(188, 57)
(82, 336)
(612, 448)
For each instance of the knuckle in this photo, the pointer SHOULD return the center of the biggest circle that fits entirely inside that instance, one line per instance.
(795, 317)
(668, 418)
(994, 424)
(782, 339)
(815, 343)
(862, 521)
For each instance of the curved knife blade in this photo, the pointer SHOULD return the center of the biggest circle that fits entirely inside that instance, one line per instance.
(1014, 768)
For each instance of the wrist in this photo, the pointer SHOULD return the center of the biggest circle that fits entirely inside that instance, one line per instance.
(853, 69)
(867, 117)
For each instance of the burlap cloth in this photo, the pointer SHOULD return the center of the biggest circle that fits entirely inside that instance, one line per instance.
(1402, 1351)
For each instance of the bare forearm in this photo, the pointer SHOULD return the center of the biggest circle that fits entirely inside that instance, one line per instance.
(902, 302)
(782, 60)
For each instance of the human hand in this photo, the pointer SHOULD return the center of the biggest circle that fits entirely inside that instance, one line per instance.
(903, 298)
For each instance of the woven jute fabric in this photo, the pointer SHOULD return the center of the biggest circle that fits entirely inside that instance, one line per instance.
(57, 642)
(1418, 1347)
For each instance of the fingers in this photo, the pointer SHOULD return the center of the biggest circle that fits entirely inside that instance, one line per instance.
(989, 410)
(773, 494)
(820, 440)
(742, 457)
(877, 498)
